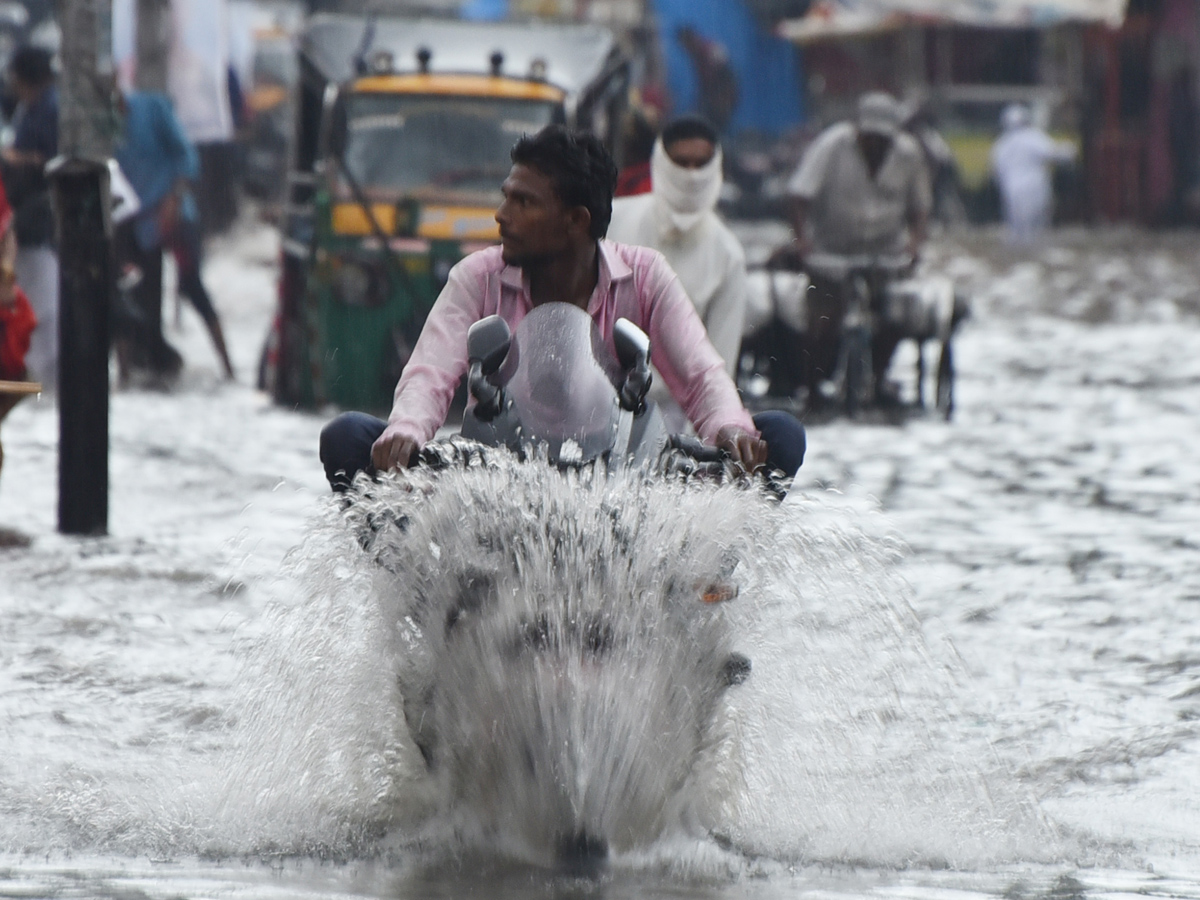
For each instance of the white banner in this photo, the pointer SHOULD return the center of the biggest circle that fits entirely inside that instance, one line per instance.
(198, 78)
(834, 18)
(198, 67)
(124, 37)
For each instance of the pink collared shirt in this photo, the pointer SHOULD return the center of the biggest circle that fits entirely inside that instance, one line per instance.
(635, 283)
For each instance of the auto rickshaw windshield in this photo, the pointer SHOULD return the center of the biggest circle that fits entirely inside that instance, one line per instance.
(406, 144)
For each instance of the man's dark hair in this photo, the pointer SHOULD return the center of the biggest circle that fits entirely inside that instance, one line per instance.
(578, 165)
(32, 65)
(689, 126)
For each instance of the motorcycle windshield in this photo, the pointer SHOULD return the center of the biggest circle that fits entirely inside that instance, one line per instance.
(563, 384)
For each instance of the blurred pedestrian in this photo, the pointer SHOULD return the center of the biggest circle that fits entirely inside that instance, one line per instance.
(678, 218)
(716, 80)
(637, 143)
(1021, 161)
(17, 319)
(862, 187)
(35, 143)
(943, 167)
(160, 163)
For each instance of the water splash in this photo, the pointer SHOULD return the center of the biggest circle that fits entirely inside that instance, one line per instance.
(561, 671)
(501, 657)
(851, 740)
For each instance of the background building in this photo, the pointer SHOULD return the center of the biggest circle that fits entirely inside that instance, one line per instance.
(964, 61)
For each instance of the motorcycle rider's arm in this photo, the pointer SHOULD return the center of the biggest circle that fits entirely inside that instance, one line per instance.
(438, 361)
(918, 225)
(798, 216)
(807, 183)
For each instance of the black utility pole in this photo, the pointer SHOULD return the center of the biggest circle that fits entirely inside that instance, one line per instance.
(79, 179)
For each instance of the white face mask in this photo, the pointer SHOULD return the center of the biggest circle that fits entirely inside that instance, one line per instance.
(684, 196)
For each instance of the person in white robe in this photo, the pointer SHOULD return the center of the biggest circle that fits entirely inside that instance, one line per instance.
(1022, 161)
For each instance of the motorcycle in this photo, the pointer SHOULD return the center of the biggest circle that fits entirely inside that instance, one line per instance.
(563, 651)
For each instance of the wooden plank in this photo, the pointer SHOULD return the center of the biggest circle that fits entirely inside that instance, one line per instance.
(20, 387)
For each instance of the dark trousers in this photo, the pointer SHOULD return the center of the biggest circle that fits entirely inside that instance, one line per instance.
(826, 313)
(346, 444)
(825, 310)
(139, 321)
(186, 247)
(220, 174)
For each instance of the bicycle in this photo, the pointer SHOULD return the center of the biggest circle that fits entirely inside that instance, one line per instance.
(862, 281)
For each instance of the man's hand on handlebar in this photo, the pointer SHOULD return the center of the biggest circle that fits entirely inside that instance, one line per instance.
(913, 249)
(392, 451)
(917, 229)
(789, 257)
(744, 448)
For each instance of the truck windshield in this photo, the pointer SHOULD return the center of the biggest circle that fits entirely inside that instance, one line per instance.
(416, 144)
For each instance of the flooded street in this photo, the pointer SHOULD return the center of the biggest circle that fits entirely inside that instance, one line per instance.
(976, 644)
(1052, 528)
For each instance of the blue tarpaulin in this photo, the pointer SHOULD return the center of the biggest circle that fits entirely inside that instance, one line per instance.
(767, 67)
(485, 10)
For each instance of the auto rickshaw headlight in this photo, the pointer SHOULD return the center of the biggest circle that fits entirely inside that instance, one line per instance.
(382, 62)
(352, 284)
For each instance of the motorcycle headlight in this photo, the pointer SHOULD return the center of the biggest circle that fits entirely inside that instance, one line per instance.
(352, 284)
(718, 592)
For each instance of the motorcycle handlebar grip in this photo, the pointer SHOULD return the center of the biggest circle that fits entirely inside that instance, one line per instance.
(696, 449)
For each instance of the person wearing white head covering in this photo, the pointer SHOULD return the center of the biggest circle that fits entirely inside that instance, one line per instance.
(678, 218)
(1021, 161)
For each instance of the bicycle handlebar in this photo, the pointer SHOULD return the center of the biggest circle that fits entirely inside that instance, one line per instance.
(840, 265)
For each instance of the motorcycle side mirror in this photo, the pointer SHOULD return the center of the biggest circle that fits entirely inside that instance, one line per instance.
(633, 353)
(633, 344)
(488, 343)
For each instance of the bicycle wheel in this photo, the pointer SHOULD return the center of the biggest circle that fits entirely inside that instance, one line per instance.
(856, 349)
(945, 382)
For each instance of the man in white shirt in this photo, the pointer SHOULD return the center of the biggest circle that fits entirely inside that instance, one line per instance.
(678, 218)
(862, 187)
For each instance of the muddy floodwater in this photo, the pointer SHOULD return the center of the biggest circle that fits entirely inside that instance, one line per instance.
(975, 644)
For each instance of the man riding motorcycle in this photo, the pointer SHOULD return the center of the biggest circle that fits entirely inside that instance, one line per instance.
(553, 218)
(862, 188)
